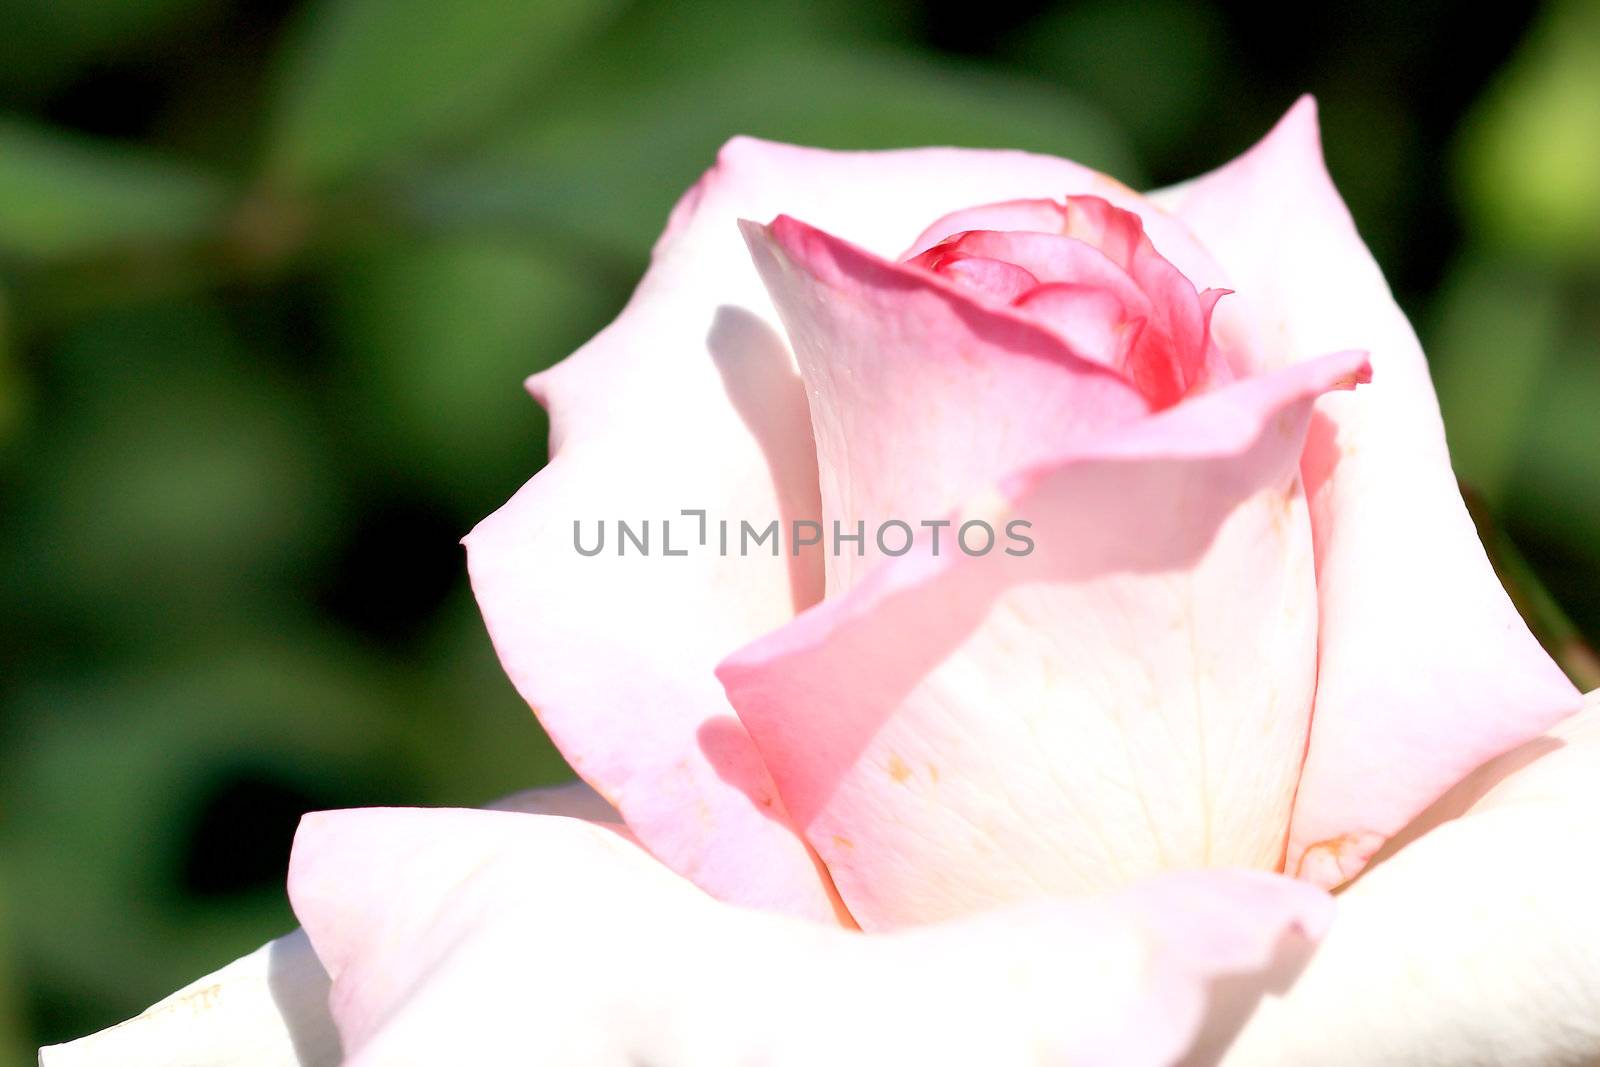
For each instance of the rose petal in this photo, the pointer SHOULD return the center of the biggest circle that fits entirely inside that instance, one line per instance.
(1085, 241)
(1172, 354)
(958, 732)
(920, 394)
(1093, 321)
(490, 937)
(1426, 670)
(1049, 257)
(1043, 214)
(996, 278)
(1473, 946)
(690, 401)
(268, 1009)
(1070, 287)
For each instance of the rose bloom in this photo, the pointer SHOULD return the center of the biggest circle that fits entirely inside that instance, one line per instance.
(1250, 760)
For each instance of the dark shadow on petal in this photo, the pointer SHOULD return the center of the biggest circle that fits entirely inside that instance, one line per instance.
(728, 749)
(759, 376)
(1234, 998)
(300, 988)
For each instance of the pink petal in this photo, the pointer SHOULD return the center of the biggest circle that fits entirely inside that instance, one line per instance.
(1044, 214)
(1093, 321)
(959, 732)
(1011, 216)
(690, 401)
(1473, 946)
(489, 937)
(1426, 670)
(995, 278)
(920, 395)
(1076, 290)
(1085, 241)
(1049, 257)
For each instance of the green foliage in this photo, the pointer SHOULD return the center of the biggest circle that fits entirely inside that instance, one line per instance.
(13, 389)
(1531, 155)
(1554, 502)
(1095, 47)
(438, 336)
(1498, 323)
(1519, 366)
(369, 80)
(1516, 350)
(605, 168)
(12, 1045)
(174, 473)
(167, 737)
(46, 41)
(62, 195)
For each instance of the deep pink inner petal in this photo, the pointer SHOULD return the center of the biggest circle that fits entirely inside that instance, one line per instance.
(1093, 320)
(1002, 280)
(1100, 284)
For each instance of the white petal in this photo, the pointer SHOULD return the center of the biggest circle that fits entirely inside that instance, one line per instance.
(472, 937)
(1476, 945)
(268, 1009)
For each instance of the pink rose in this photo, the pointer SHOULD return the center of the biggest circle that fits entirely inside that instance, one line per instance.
(1208, 633)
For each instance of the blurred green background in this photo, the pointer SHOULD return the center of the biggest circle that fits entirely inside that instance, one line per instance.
(271, 275)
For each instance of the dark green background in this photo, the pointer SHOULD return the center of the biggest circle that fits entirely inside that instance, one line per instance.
(271, 275)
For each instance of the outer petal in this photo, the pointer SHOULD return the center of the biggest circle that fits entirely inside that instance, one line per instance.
(269, 1009)
(1426, 670)
(689, 401)
(1477, 945)
(958, 732)
(488, 937)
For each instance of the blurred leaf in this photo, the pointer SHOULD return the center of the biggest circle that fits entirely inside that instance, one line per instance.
(125, 768)
(608, 169)
(1530, 156)
(1498, 327)
(61, 194)
(1152, 65)
(371, 79)
(175, 473)
(12, 386)
(651, 43)
(14, 1048)
(48, 40)
(1555, 485)
(137, 768)
(493, 745)
(1371, 150)
(440, 336)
